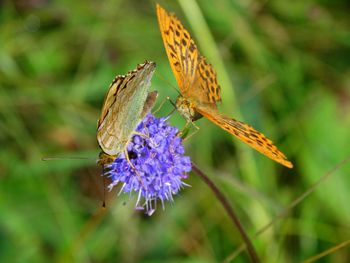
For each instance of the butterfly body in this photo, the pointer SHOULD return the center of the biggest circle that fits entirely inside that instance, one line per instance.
(187, 109)
(199, 87)
(126, 103)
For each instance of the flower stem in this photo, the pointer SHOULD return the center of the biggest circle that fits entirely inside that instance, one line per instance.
(251, 251)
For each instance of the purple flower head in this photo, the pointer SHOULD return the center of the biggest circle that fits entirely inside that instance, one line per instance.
(157, 167)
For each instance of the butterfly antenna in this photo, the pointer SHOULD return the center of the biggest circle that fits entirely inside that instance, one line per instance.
(175, 109)
(65, 158)
(167, 82)
(172, 103)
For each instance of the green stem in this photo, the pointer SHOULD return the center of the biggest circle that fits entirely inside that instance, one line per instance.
(250, 248)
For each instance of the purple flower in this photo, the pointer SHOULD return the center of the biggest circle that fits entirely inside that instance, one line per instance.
(157, 167)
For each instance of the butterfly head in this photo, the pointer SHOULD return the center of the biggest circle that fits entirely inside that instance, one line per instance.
(104, 158)
(186, 108)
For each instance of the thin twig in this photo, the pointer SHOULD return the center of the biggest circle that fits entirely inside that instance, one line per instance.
(327, 252)
(293, 204)
(251, 251)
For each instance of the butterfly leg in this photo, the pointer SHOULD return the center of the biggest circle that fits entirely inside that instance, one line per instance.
(140, 134)
(172, 103)
(193, 133)
(160, 106)
(133, 167)
(183, 134)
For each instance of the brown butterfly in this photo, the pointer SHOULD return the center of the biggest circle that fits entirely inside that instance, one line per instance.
(199, 87)
(125, 105)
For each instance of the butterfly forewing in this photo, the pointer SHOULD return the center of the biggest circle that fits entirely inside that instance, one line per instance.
(180, 48)
(124, 107)
(193, 74)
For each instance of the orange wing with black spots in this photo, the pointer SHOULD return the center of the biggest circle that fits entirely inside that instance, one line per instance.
(247, 134)
(207, 83)
(193, 74)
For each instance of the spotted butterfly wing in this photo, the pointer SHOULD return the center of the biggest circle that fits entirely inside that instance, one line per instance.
(199, 87)
(126, 103)
(247, 134)
(193, 74)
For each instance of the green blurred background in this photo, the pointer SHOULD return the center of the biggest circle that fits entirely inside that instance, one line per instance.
(283, 67)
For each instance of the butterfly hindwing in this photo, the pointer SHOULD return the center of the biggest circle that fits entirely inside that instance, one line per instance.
(247, 134)
(206, 88)
(150, 101)
(123, 108)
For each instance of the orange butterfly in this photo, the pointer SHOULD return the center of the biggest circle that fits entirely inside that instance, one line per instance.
(200, 89)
